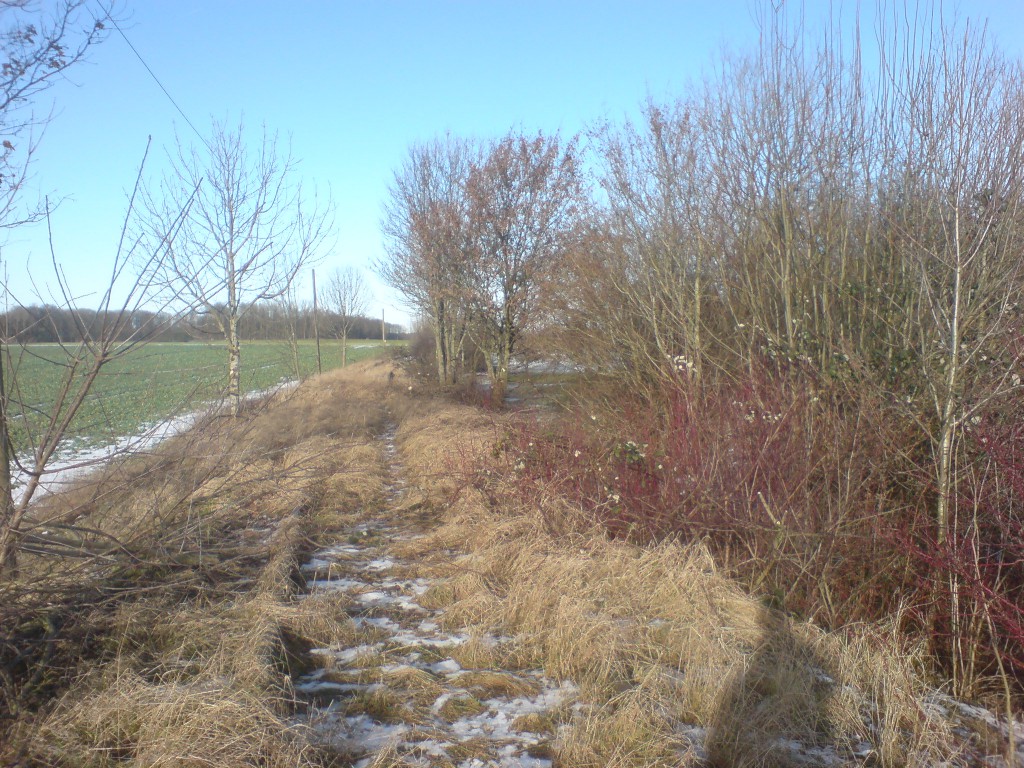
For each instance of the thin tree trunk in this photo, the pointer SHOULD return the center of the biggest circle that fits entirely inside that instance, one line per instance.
(316, 329)
(492, 373)
(293, 342)
(234, 349)
(948, 416)
(451, 353)
(500, 381)
(948, 425)
(234, 367)
(440, 349)
(8, 541)
(698, 351)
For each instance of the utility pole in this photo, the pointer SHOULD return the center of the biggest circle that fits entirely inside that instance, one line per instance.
(316, 326)
(383, 327)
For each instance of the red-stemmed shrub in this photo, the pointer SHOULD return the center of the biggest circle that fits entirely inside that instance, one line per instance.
(974, 575)
(821, 498)
(790, 485)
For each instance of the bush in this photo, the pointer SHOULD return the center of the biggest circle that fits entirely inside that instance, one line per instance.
(819, 498)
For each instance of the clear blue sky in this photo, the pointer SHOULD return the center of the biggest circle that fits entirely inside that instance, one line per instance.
(353, 84)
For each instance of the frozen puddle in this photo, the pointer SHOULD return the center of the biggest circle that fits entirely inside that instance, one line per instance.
(402, 690)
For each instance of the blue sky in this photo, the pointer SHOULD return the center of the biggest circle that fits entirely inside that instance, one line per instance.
(353, 84)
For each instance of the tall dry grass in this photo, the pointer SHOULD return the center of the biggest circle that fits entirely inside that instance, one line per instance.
(189, 649)
(655, 635)
(174, 631)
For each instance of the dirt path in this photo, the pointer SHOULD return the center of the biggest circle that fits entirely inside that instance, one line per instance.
(408, 693)
(650, 656)
(653, 657)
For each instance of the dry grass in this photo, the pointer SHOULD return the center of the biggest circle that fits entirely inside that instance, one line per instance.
(382, 704)
(421, 687)
(472, 751)
(655, 636)
(480, 652)
(189, 663)
(321, 619)
(459, 706)
(535, 723)
(164, 724)
(201, 684)
(487, 684)
(627, 730)
(389, 757)
(437, 444)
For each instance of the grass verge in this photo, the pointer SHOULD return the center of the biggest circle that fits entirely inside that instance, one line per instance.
(174, 634)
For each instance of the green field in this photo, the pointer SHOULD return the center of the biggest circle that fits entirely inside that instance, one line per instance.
(154, 383)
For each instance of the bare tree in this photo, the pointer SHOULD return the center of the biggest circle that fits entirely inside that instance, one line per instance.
(957, 150)
(288, 304)
(474, 236)
(251, 230)
(524, 197)
(955, 197)
(126, 319)
(36, 49)
(428, 243)
(657, 236)
(345, 294)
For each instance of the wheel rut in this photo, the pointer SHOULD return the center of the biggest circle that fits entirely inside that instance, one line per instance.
(407, 691)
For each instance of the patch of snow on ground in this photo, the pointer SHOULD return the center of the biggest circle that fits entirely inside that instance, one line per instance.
(495, 722)
(337, 584)
(409, 645)
(69, 463)
(446, 667)
(360, 732)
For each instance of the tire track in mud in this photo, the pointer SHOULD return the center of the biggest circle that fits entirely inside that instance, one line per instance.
(399, 696)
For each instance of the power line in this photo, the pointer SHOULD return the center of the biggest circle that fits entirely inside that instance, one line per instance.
(157, 80)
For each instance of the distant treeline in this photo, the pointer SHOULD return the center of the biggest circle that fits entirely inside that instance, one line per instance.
(49, 324)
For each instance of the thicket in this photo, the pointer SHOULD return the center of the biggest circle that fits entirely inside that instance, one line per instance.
(810, 266)
(796, 291)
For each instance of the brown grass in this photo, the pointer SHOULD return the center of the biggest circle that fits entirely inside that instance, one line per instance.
(460, 706)
(437, 443)
(655, 636)
(188, 662)
(475, 748)
(198, 723)
(535, 723)
(383, 705)
(487, 684)
(628, 730)
(193, 625)
(421, 687)
(480, 652)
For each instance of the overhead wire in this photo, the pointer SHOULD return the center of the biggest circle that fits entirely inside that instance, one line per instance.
(157, 79)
